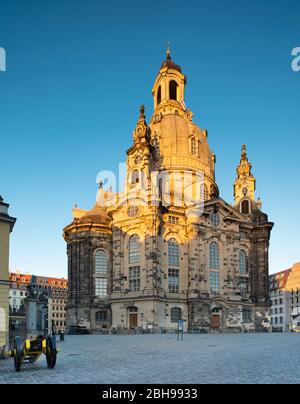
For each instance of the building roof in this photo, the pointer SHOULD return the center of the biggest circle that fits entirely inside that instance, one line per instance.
(19, 279)
(49, 281)
(279, 280)
(96, 215)
(287, 280)
(168, 62)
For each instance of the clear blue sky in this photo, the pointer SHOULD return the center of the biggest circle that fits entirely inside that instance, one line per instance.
(77, 72)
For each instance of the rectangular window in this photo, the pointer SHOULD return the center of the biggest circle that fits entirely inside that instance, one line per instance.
(134, 279)
(101, 316)
(214, 282)
(173, 280)
(247, 316)
(173, 219)
(243, 235)
(101, 287)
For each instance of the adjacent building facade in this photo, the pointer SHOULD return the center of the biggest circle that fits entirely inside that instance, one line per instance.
(54, 291)
(169, 247)
(18, 289)
(6, 226)
(285, 299)
(279, 300)
(37, 304)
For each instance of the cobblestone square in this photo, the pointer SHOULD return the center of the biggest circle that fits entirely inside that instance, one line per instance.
(218, 358)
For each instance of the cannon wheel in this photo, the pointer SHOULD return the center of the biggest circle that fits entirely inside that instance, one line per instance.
(51, 352)
(17, 354)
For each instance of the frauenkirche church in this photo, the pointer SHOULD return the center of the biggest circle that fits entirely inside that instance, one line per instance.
(149, 256)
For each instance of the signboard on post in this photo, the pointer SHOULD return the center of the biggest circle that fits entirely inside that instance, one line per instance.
(180, 329)
(180, 325)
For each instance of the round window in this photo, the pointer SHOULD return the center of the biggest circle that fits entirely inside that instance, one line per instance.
(137, 160)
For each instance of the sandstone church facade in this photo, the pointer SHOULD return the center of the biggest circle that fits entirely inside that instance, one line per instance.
(147, 257)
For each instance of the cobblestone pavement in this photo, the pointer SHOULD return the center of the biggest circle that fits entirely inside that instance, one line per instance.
(219, 358)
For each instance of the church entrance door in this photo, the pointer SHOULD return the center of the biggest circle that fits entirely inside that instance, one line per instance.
(133, 320)
(133, 317)
(215, 321)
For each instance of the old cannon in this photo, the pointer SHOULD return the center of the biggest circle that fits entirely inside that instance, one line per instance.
(32, 349)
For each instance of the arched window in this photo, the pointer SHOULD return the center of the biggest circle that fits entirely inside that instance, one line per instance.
(101, 262)
(159, 95)
(214, 258)
(173, 90)
(173, 253)
(132, 309)
(176, 314)
(135, 177)
(134, 249)
(101, 316)
(173, 261)
(101, 272)
(243, 262)
(245, 207)
(204, 192)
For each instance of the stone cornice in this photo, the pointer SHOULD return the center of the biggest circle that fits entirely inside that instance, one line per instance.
(8, 219)
(85, 227)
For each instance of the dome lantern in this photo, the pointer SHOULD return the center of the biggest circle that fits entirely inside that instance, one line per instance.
(169, 85)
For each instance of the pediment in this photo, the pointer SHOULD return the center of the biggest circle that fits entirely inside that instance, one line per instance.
(226, 210)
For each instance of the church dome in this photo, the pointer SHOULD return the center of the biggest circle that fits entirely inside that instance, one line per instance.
(170, 64)
(96, 215)
(182, 144)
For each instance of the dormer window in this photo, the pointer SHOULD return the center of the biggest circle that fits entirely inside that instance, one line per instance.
(173, 90)
(194, 147)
